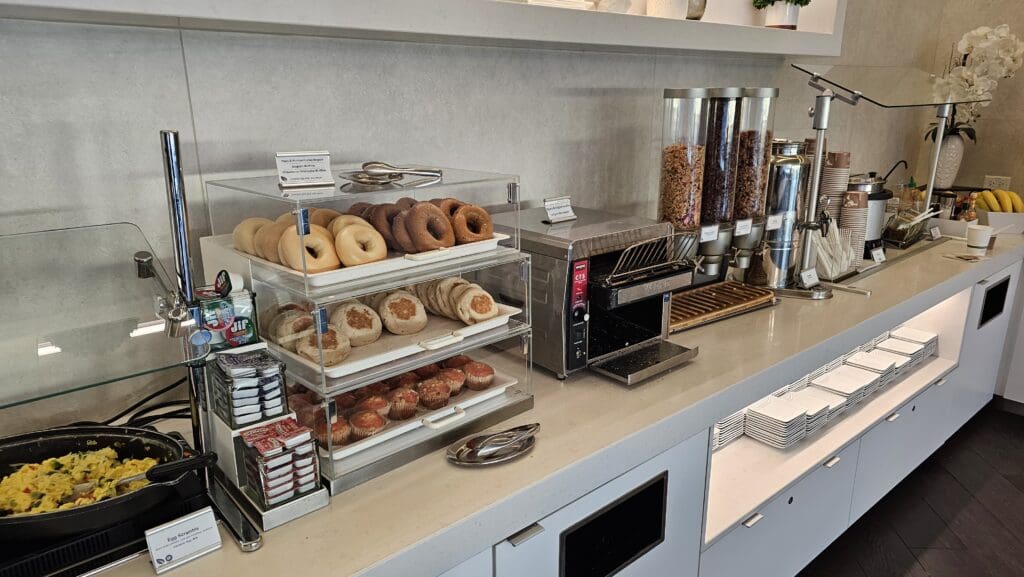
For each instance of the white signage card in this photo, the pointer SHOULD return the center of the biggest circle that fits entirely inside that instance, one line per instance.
(559, 209)
(878, 255)
(304, 169)
(743, 227)
(177, 542)
(708, 233)
(774, 222)
(936, 232)
(810, 278)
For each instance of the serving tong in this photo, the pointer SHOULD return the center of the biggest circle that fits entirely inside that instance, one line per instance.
(377, 173)
(492, 448)
(156, 474)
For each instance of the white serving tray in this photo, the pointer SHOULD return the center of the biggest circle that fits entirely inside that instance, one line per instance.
(437, 419)
(439, 333)
(395, 261)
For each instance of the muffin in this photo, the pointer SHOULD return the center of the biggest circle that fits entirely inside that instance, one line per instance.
(456, 362)
(310, 415)
(403, 404)
(455, 379)
(340, 432)
(375, 403)
(345, 401)
(479, 376)
(404, 380)
(379, 388)
(434, 393)
(427, 371)
(366, 424)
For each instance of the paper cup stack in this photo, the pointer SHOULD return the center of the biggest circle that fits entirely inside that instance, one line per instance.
(776, 422)
(727, 430)
(854, 218)
(847, 381)
(835, 178)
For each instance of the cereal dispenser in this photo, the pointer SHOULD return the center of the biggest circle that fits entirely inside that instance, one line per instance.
(754, 151)
(722, 108)
(682, 157)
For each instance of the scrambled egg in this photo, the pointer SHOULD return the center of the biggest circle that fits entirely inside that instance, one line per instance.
(48, 486)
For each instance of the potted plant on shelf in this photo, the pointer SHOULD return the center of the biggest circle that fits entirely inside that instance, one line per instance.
(978, 61)
(781, 13)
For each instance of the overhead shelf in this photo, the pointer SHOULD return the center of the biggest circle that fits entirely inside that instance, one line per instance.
(473, 22)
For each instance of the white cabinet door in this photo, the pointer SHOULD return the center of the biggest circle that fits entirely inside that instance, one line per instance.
(788, 532)
(987, 321)
(481, 565)
(893, 448)
(647, 521)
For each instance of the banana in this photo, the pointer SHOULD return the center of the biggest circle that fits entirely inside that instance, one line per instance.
(980, 203)
(1005, 204)
(990, 200)
(1018, 202)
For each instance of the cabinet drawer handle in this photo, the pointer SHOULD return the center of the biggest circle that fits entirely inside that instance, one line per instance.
(940, 382)
(752, 520)
(525, 535)
(832, 462)
(892, 417)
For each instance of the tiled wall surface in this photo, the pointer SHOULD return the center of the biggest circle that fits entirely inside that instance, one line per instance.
(81, 106)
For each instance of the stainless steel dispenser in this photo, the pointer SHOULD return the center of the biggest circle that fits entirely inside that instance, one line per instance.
(719, 187)
(756, 122)
(787, 189)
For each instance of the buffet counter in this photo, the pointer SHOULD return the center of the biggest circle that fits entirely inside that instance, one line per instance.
(426, 517)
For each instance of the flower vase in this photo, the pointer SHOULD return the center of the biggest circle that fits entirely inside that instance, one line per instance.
(950, 157)
(782, 14)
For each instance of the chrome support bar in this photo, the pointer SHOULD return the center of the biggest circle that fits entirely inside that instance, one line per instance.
(943, 112)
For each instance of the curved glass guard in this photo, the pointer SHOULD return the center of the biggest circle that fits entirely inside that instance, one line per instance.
(76, 312)
(889, 87)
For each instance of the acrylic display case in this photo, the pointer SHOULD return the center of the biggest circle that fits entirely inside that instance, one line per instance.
(304, 315)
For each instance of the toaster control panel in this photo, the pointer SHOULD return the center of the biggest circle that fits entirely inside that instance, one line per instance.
(578, 316)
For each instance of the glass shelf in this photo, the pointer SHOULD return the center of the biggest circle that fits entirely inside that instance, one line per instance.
(887, 87)
(76, 313)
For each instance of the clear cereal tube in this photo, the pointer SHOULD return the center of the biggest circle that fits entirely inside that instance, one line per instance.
(682, 157)
(757, 119)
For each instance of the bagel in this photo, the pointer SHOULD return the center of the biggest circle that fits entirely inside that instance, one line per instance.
(323, 216)
(287, 217)
(474, 305)
(402, 313)
(381, 217)
(448, 205)
(360, 323)
(406, 203)
(244, 235)
(357, 244)
(401, 234)
(444, 295)
(315, 249)
(331, 347)
(472, 224)
(267, 239)
(429, 227)
(344, 220)
(358, 208)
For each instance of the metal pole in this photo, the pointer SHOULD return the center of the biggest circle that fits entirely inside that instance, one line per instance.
(822, 109)
(942, 113)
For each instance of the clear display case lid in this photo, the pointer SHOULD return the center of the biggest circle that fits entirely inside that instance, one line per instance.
(347, 189)
(77, 313)
(889, 87)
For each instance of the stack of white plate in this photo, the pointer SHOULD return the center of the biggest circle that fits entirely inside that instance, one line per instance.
(816, 408)
(776, 422)
(577, 4)
(854, 218)
(727, 430)
(930, 341)
(848, 381)
(902, 362)
(836, 403)
(916, 351)
(834, 182)
(884, 366)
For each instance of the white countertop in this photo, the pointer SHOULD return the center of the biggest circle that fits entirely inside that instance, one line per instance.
(428, 516)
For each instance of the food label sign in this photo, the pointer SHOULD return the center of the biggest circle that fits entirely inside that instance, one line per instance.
(304, 169)
(177, 542)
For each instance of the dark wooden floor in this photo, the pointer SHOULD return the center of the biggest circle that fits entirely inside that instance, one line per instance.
(960, 514)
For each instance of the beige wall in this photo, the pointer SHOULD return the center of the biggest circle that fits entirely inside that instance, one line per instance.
(81, 106)
(1000, 148)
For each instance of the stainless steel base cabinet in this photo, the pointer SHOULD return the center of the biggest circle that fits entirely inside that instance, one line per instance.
(788, 532)
(644, 523)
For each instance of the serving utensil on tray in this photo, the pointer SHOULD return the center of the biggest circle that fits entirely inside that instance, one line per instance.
(155, 474)
(493, 448)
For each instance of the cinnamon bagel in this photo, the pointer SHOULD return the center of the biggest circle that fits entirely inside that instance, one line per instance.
(429, 227)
